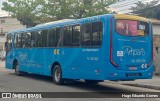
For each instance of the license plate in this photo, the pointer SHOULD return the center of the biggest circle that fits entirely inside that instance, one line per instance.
(132, 68)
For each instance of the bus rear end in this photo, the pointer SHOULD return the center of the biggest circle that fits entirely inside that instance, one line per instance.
(131, 50)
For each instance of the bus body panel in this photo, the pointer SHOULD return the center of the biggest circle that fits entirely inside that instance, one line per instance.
(91, 63)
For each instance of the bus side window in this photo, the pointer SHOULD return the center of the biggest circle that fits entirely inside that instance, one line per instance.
(67, 37)
(9, 42)
(86, 34)
(44, 38)
(97, 30)
(33, 39)
(23, 37)
(39, 39)
(17, 40)
(58, 37)
(28, 39)
(76, 35)
(52, 38)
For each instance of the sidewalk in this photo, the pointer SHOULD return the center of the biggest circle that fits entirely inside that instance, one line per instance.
(2, 63)
(153, 83)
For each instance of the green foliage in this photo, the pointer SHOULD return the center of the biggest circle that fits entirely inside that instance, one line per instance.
(31, 12)
(149, 9)
(23, 10)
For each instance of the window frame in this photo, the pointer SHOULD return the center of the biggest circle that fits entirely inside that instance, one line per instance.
(91, 35)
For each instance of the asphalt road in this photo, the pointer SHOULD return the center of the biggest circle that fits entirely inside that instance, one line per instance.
(9, 82)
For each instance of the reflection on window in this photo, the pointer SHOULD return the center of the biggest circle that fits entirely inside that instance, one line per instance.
(97, 33)
(17, 41)
(33, 39)
(52, 38)
(86, 34)
(44, 38)
(23, 38)
(67, 38)
(39, 39)
(28, 40)
(76, 36)
(9, 42)
(58, 37)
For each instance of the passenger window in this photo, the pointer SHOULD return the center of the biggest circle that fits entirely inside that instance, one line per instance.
(52, 38)
(39, 39)
(28, 40)
(58, 37)
(23, 38)
(9, 42)
(86, 34)
(67, 38)
(97, 30)
(76, 36)
(17, 41)
(33, 39)
(44, 38)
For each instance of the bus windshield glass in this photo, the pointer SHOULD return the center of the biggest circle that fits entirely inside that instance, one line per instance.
(132, 28)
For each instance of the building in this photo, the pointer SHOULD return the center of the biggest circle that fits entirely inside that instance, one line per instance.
(124, 6)
(7, 24)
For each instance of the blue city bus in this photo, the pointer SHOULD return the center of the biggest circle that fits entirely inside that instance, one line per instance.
(94, 49)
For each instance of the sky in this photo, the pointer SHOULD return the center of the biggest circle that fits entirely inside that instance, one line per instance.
(2, 13)
(124, 6)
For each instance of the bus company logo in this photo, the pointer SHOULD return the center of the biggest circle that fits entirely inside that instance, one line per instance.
(6, 95)
(23, 56)
(128, 50)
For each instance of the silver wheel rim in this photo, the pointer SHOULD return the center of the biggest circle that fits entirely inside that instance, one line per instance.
(57, 75)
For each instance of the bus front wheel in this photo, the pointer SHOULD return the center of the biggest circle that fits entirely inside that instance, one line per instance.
(17, 72)
(57, 75)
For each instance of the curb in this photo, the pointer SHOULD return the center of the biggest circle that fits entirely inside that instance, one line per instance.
(156, 87)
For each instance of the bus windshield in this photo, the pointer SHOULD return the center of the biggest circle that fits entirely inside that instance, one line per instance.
(132, 28)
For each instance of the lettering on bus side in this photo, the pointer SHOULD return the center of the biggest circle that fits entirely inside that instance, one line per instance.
(23, 56)
(90, 50)
(128, 50)
(92, 58)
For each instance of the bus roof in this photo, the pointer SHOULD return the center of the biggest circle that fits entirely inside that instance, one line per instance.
(62, 23)
(131, 17)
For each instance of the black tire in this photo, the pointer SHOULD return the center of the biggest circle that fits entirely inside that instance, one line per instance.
(16, 67)
(92, 82)
(57, 75)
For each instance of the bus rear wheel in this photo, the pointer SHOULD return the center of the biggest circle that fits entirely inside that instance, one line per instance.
(57, 75)
(17, 72)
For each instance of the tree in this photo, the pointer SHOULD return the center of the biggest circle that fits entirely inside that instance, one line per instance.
(32, 12)
(64, 9)
(149, 10)
(26, 11)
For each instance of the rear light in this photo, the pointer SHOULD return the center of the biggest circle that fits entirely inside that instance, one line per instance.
(111, 49)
